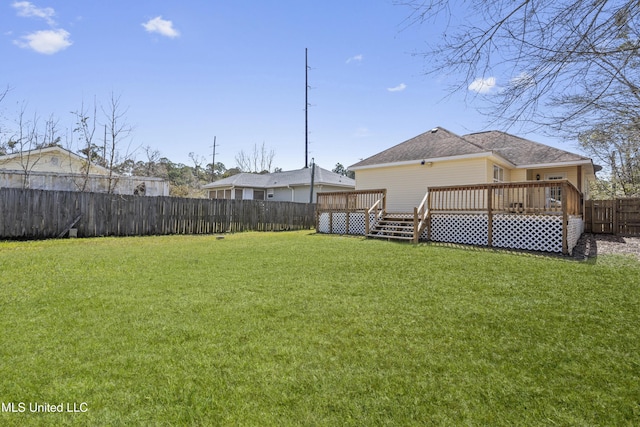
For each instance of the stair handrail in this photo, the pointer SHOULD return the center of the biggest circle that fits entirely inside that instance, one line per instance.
(367, 225)
(419, 217)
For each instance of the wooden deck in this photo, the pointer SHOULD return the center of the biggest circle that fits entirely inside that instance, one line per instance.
(524, 200)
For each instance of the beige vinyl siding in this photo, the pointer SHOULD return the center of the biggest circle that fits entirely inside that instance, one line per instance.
(570, 171)
(518, 175)
(407, 184)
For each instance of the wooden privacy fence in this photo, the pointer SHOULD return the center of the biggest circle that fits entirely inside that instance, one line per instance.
(36, 214)
(619, 216)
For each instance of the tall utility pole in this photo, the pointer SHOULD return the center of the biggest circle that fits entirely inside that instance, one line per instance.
(306, 110)
(213, 161)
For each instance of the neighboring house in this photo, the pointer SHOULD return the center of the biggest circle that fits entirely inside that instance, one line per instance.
(288, 186)
(441, 158)
(54, 168)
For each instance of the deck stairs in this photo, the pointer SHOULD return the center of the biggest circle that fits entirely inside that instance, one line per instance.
(393, 226)
(397, 226)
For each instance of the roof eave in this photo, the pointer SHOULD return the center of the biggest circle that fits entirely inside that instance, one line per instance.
(555, 164)
(432, 159)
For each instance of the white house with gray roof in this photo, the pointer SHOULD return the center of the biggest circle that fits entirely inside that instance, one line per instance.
(439, 157)
(285, 186)
(488, 188)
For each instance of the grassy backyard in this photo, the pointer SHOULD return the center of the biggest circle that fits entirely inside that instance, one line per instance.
(304, 329)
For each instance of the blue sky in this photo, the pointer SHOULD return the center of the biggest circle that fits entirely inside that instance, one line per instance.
(190, 70)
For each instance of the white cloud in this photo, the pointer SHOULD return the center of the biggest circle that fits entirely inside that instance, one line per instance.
(161, 26)
(481, 85)
(398, 88)
(47, 42)
(29, 10)
(357, 58)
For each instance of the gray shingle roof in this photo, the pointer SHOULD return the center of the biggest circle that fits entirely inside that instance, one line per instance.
(284, 179)
(520, 151)
(439, 142)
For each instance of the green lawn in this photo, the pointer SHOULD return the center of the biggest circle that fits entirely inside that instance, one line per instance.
(263, 329)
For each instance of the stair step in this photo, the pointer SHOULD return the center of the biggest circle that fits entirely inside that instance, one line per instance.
(386, 236)
(394, 227)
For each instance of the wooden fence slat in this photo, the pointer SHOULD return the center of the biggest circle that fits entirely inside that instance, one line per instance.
(34, 214)
(619, 216)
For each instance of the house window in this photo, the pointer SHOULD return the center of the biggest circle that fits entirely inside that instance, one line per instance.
(270, 193)
(498, 174)
(258, 194)
(238, 195)
(554, 194)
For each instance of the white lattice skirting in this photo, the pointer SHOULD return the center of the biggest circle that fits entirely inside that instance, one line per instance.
(465, 229)
(336, 223)
(529, 232)
(574, 231)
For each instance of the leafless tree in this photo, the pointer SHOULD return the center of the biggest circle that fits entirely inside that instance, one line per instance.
(198, 170)
(259, 161)
(3, 148)
(578, 56)
(28, 137)
(85, 129)
(567, 67)
(117, 133)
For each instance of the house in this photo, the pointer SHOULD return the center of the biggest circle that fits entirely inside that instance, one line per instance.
(441, 158)
(55, 168)
(488, 188)
(288, 186)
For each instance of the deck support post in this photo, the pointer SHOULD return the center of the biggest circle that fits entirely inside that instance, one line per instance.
(565, 218)
(489, 216)
(416, 230)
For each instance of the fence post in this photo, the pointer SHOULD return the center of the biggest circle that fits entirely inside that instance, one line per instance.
(565, 217)
(614, 213)
(489, 215)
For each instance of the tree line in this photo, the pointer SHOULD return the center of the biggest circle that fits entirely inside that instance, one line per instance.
(100, 132)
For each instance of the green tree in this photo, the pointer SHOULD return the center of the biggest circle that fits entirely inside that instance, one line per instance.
(340, 169)
(616, 148)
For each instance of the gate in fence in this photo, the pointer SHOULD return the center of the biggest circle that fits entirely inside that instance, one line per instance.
(618, 216)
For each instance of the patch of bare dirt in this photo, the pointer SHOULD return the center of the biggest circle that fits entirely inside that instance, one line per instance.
(592, 245)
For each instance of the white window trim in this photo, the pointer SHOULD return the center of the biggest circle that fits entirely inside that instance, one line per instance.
(500, 171)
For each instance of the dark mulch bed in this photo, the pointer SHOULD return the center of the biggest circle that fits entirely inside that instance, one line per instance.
(592, 245)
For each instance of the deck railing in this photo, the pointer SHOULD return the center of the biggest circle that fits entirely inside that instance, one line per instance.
(352, 201)
(539, 197)
(533, 198)
(530, 199)
(366, 201)
(420, 217)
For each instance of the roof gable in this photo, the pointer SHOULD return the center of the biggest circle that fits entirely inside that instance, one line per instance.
(436, 143)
